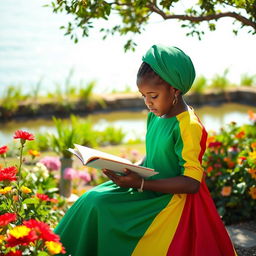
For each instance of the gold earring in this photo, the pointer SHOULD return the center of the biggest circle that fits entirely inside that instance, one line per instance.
(175, 100)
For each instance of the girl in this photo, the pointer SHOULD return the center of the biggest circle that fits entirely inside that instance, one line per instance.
(170, 213)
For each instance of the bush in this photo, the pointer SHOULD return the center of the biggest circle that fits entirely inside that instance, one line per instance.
(230, 163)
(27, 200)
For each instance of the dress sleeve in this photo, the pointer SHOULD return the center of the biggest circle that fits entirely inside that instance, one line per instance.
(189, 147)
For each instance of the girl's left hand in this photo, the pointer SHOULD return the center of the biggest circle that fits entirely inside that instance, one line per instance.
(129, 180)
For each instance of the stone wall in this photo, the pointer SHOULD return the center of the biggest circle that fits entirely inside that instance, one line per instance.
(114, 102)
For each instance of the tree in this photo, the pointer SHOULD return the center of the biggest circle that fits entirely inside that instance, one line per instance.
(135, 15)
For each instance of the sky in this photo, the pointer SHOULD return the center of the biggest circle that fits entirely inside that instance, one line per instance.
(32, 47)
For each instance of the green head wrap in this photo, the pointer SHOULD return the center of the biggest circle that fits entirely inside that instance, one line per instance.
(172, 65)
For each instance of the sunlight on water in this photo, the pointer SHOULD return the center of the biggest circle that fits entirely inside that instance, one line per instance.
(134, 123)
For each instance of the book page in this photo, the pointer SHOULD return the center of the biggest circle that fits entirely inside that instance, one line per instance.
(88, 154)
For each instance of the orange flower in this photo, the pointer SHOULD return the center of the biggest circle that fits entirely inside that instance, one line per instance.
(253, 145)
(209, 169)
(240, 135)
(252, 192)
(34, 153)
(253, 173)
(252, 115)
(226, 191)
(241, 159)
(5, 190)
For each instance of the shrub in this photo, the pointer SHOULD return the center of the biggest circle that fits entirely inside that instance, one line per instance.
(27, 201)
(230, 163)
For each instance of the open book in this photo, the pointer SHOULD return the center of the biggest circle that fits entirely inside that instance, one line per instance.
(101, 160)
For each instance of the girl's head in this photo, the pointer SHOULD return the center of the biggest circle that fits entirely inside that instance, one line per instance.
(165, 74)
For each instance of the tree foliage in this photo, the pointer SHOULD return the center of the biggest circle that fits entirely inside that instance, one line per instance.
(135, 15)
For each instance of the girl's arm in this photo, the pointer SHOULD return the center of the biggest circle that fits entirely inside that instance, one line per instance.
(175, 185)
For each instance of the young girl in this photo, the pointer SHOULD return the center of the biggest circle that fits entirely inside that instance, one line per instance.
(170, 213)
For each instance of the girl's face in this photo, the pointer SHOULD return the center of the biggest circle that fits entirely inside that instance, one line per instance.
(158, 97)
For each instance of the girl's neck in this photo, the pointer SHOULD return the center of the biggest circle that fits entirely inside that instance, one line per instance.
(180, 107)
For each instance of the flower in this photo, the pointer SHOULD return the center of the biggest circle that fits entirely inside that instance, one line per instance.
(215, 144)
(241, 159)
(209, 169)
(252, 155)
(85, 176)
(16, 253)
(54, 247)
(70, 174)
(252, 192)
(1, 239)
(3, 150)
(240, 135)
(41, 169)
(23, 135)
(5, 190)
(6, 218)
(252, 172)
(33, 153)
(252, 115)
(8, 173)
(25, 190)
(226, 191)
(42, 230)
(52, 163)
(43, 197)
(20, 235)
(253, 145)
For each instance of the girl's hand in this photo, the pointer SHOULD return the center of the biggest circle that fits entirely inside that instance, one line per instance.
(129, 180)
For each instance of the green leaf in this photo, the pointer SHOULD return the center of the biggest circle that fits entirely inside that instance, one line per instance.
(31, 201)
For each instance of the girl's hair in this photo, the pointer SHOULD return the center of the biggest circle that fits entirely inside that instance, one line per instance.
(146, 72)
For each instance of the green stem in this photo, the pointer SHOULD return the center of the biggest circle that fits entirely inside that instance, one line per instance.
(18, 179)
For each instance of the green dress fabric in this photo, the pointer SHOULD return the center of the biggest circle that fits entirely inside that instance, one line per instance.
(109, 220)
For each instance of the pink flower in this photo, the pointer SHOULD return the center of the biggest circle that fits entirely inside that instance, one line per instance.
(85, 176)
(70, 174)
(51, 163)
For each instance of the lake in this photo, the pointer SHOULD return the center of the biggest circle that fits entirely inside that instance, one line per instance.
(134, 123)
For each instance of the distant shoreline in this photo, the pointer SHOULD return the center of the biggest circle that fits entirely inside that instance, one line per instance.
(123, 101)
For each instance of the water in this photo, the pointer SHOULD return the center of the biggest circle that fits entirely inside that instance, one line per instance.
(32, 47)
(134, 123)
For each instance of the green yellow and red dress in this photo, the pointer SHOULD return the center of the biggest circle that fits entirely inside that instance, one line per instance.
(110, 220)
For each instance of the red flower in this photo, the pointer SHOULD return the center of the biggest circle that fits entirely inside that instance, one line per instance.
(20, 235)
(3, 150)
(42, 230)
(17, 253)
(43, 197)
(6, 218)
(215, 144)
(8, 173)
(23, 135)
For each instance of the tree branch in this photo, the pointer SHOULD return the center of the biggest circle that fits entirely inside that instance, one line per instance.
(209, 17)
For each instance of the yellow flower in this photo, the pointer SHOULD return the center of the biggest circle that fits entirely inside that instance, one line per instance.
(253, 155)
(252, 192)
(252, 172)
(33, 153)
(53, 247)
(1, 239)
(5, 190)
(20, 231)
(25, 190)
